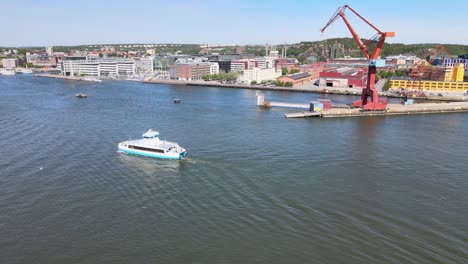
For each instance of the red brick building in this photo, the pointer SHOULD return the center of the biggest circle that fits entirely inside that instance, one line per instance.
(344, 77)
(192, 71)
(297, 79)
(313, 70)
(286, 63)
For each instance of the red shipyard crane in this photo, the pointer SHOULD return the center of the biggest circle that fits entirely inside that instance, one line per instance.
(370, 97)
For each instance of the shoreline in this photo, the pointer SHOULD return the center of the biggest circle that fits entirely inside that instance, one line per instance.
(301, 89)
(392, 110)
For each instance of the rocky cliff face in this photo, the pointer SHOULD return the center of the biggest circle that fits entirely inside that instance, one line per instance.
(332, 48)
(339, 47)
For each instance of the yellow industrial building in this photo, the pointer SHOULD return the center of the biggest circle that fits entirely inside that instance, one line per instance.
(448, 79)
(448, 74)
(430, 85)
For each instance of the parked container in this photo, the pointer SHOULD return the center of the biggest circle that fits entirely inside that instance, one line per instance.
(326, 103)
(318, 106)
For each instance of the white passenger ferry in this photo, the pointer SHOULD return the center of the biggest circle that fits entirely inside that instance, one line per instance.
(7, 72)
(91, 79)
(151, 146)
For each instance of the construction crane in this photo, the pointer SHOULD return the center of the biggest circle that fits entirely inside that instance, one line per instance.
(370, 97)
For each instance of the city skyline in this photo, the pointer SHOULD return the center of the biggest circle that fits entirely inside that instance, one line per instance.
(242, 22)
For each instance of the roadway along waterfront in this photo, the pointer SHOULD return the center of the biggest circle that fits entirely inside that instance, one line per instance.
(255, 187)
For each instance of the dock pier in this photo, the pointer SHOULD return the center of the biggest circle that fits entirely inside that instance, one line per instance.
(392, 109)
(346, 111)
(268, 104)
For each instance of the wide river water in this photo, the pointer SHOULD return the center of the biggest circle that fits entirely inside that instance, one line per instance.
(255, 187)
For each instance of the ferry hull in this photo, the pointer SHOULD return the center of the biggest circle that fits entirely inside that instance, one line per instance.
(153, 155)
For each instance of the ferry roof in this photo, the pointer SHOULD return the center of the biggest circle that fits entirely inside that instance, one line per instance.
(158, 144)
(150, 134)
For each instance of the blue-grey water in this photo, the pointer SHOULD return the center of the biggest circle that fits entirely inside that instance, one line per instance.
(255, 187)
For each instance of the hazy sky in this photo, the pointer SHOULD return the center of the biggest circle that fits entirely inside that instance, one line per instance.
(64, 22)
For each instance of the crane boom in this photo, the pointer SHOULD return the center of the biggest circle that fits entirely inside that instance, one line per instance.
(379, 38)
(340, 13)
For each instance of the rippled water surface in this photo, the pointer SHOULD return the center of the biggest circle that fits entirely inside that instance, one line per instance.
(255, 188)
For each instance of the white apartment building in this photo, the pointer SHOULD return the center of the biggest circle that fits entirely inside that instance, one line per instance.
(90, 68)
(237, 66)
(49, 50)
(214, 68)
(190, 60)
(401, 59)
(144, 65)
(97, 67)
(9, 63)
(265, 63)
(257, 74)
(249, 64)
(262, 64)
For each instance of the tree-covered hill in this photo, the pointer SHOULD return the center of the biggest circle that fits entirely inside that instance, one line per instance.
(339, 47)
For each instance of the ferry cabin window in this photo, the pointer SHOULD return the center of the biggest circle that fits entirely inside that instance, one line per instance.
(146, 149)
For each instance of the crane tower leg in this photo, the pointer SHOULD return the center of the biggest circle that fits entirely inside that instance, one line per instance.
(370, 96)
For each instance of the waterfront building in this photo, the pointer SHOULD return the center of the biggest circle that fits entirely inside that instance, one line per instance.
(235, 62)
(296, 79)
(9, 63)
(286, 63)
(190, 59)
(401, 62)
(242, 65)
(266, 62)
(214, 68)
(262, 64)
(98, 67)
(238, 66)
(41, 59)
(258, 75)
(344, 77)
(447, 62)
(75, 57)
(313, 69)
(162, 63)
(189, 71)
(442, 74)
(403, 82)
(224, 65)
(144, 65)
(350, 62)
(448, 74)
(224, 57)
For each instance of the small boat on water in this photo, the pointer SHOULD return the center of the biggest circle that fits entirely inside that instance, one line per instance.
(26, 71)
(176, 101)
(7, 72)
(80, 95)
(151, 146)
(90, 79)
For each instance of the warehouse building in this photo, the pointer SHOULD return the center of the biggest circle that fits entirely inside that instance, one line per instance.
(345, 77)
